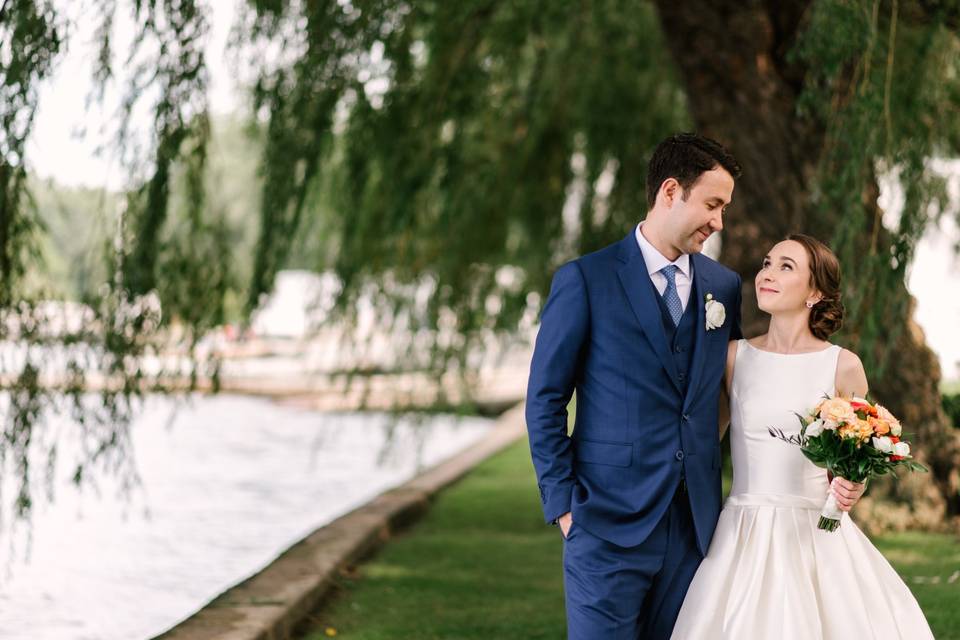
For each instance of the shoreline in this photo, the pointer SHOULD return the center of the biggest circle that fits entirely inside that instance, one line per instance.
(273, 603)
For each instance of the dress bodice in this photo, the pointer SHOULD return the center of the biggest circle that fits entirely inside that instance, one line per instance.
(768, 391)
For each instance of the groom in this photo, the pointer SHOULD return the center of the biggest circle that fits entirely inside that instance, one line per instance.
(639, 330)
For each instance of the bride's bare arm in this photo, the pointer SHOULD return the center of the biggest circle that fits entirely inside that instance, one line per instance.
(851, 379)
(725, 390)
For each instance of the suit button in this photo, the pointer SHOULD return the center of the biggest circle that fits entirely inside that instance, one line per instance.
(678, 349)
(682, 376)
(679, 455)
(686, 418)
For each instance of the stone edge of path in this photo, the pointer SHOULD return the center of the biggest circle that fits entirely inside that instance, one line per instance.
(272, 604)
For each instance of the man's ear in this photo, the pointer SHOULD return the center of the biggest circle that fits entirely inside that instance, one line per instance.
(670, 190)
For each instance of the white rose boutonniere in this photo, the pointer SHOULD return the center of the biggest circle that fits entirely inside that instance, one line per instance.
(715, 312)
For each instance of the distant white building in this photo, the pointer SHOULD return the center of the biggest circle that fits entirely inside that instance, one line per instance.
(300, 300)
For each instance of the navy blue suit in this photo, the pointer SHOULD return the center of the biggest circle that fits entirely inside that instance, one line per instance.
(641, 471)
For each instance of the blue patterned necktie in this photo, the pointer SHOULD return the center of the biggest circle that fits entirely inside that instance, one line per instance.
(670, 295)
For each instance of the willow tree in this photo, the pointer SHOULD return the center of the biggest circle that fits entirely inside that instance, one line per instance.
(817, 98)
(91, 362)
(450, 155)
(470, 127)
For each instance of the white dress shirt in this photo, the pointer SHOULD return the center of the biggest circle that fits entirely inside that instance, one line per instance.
(656, 261)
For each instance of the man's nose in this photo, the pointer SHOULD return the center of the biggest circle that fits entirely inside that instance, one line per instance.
(717, 222)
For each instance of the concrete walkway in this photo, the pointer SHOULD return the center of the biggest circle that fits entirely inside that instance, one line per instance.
(272, 604)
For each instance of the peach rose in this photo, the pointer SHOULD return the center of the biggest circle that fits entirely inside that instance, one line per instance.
(836, 411)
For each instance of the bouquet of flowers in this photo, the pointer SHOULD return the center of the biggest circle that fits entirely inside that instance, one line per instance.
(854, 439)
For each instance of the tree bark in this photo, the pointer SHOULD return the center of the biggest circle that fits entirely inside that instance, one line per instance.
(742, 91)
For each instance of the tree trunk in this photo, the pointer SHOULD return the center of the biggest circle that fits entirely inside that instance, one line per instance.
(742, 91)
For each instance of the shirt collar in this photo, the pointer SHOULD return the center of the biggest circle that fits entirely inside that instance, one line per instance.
(656, 261)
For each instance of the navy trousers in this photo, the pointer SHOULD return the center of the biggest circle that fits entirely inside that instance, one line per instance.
(630, 593)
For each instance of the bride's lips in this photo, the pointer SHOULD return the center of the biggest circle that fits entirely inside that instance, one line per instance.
(767, 290)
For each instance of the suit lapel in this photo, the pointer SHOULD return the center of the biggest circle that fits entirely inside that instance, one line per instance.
(701, 287)
(640, 293)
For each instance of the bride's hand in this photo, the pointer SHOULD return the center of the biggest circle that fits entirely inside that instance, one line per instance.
(847, 493)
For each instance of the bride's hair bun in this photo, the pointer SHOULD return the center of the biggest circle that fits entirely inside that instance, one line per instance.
(826, 316)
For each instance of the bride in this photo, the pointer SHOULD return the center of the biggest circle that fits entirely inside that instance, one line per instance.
(769, 572)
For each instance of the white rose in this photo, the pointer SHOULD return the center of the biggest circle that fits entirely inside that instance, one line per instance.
(901, 449)
(814, 429)
(895, 428)
(715, 313)
(884, 444)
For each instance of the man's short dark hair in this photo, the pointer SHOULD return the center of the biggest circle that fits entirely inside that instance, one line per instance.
(685, 157)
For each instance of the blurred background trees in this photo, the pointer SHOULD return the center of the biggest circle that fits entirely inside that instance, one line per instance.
(444, 158)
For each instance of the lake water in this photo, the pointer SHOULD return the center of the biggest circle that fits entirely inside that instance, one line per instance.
(228, 483)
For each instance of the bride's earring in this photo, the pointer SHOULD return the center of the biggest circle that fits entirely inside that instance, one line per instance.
(809, 305)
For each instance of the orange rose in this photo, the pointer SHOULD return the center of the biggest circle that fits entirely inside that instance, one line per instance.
(884, 414)
(880, 427)
(862, 405)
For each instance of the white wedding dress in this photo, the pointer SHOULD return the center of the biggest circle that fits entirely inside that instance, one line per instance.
(769, 572)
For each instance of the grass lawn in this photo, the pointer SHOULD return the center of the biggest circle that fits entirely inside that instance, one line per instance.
(927, 562)
(483, 565)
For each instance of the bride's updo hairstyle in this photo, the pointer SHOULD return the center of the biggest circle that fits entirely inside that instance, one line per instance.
(826, 316)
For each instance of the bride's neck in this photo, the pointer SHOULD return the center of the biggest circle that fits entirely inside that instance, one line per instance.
(789, 333)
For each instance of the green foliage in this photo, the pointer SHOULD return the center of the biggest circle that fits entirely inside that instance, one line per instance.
(951, 405)
(442, 158)
(30, 41)
(78, 224)
(57, 356)
(464, 128)
(885, 83)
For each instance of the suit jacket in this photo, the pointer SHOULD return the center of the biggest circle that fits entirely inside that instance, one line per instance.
(638, 429)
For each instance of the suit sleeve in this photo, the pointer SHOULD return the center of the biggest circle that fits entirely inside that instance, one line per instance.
(736, 333)
(564, 329)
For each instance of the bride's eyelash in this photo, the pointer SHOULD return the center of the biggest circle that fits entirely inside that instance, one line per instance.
(766, 263)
